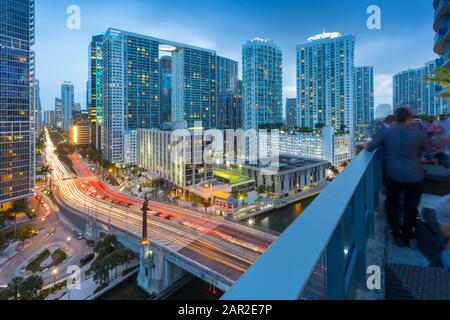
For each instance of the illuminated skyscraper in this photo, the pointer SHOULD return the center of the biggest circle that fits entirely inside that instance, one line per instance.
(16, 135)
(95, 84)
(262, 65)
(364, 101)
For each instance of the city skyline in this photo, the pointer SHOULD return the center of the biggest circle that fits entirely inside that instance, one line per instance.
(372, 46)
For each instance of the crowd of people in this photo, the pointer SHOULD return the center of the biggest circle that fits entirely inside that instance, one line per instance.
(405, 144)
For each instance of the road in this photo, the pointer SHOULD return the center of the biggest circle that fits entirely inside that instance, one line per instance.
(224, 247)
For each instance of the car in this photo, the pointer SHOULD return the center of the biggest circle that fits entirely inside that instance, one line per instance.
(129, 205)
(105, 197)
(90, 243)
(120, 203)
(170, 217)
(84, 261)
(114, 201)
(159, 215)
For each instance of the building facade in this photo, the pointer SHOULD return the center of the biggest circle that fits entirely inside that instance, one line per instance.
(49, 118)
(227, 86)
(67, 104)
(364, 102)
(411, 89)
(165, 72)
(36, 105)
(131, 94)
(16, 135)
(262, 83)
(327, 145)
(325, 82)
(156, 153)
(95, 86)
(58, 113)
(291, 112)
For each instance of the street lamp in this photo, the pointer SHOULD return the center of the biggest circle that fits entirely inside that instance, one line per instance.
(54, 273)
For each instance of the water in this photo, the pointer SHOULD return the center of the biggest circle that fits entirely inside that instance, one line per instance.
(196, 289)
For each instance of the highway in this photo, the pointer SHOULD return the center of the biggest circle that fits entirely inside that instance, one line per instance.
(227, 248)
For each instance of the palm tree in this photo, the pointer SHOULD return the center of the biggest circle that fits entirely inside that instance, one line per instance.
(442, 77)
(15, 209)
(14, 286)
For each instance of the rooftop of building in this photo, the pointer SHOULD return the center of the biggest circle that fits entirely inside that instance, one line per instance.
(286, 163)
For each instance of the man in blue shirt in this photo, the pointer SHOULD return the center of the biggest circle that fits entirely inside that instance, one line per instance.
(402, 147)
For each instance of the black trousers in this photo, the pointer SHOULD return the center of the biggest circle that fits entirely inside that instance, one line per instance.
(412, 193)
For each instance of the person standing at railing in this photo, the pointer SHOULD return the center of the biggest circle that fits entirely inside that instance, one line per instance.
(402, 146)
(443, 217)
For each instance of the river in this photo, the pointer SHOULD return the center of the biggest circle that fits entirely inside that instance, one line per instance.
(196, 289)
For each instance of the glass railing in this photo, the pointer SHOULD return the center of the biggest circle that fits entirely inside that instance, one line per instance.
(322, 255)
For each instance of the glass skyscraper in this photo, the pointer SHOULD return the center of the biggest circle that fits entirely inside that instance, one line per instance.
(132, 88)
(291, 112)
(165, 72)
(262, 65)
(227, 86)
(364, 101)
(95, 89)
(325, 66)
(411, 89)
(16, 136)
(68, 103)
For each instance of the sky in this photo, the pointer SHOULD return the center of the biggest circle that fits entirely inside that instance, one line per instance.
(404, 41)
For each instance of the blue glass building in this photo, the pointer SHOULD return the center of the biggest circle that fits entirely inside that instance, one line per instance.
(16, 136)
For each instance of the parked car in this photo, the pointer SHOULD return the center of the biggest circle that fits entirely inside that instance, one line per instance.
(84, 261)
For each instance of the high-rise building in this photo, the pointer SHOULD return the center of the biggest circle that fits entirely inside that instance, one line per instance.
(411, 89)
(36, 105)
(291, 112)
(67, 102)
(16, 136)
(440, 26)
(165, 73)
(49, 118)
(131, 87)
(80, 129)
(95, 86)
(325, 76)
(194, 87)
(262, 84)
(364, 101)
(226, 80)
(58, 113)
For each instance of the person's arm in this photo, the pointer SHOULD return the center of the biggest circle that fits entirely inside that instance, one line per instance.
(376, 141)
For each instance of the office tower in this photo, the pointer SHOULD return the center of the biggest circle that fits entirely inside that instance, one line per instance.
(235, 113)
(291, 112)
(226, 80)
(325, 76)
(49, 118)
(76, 107)
(131, 87)
(95, 86)
(411, 89)
(440, 26)
(35, 105)
(165, 73)
(364, 101)
(58, 113)
(80, 132)
(67, 103)
(262, 83)
(194, 87)
(16, 136)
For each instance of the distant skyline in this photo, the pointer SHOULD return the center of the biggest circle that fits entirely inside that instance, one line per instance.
(224, 26)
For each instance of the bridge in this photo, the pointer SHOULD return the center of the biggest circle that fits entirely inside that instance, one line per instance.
(180, 242)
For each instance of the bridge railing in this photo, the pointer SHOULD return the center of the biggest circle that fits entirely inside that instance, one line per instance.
(322, 255)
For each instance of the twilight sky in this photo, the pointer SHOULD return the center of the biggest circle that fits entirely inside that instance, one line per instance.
(405, 41)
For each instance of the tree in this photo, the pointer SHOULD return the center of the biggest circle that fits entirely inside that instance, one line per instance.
(5, 294)
(14, 286)
(442, 77)
(30, 288)
(105, 246)
(260, 190)
(14, 210)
